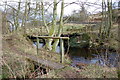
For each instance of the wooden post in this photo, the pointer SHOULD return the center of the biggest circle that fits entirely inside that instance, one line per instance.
(118, 68)
(62, 50)
(61, 44)
(37, 44)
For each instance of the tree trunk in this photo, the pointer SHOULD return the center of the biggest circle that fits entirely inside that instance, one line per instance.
(105, 21)
(43, 18)
(52, 29)
(100, 29)
(60, 27)
(17, 15)
(109, 17)
(25, 18)
(5, 26)
(118, 69)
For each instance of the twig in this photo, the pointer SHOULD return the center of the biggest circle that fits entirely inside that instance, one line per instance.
(9, 68)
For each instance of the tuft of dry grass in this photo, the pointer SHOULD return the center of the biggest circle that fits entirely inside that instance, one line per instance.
(95, 71)
(89, 71)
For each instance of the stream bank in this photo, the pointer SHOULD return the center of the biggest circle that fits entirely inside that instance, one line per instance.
(16, 44)
(81, 51)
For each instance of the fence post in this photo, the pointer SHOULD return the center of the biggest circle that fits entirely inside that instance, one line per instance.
(62, 50)
(37, 44)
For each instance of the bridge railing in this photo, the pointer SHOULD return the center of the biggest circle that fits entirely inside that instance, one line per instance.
(61, 44)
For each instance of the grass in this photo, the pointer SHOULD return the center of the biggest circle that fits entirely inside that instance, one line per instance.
(52, 56)
(89, 71)
(95, 71)
(67, 72)
(14, 65)
(16, 45)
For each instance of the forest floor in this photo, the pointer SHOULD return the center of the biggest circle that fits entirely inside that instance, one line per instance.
(15, 65)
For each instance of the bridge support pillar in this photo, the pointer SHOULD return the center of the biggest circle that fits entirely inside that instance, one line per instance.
(37, 44)
(62, 50)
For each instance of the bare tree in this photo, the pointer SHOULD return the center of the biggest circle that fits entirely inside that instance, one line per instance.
(109, 16)
(43, 17)
(52, 29)
(60, 27)
(25, 17)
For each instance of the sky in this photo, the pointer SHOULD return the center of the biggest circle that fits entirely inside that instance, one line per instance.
(72, 7)
(69, 9)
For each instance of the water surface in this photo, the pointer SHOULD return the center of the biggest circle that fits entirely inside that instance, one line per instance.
(87, 56)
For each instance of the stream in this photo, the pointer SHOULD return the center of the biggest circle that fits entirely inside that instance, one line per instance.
(87, 56)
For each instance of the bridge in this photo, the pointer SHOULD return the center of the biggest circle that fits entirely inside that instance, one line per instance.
(50, 64)
(50, 37)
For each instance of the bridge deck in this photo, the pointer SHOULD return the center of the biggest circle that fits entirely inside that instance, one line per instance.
(50, 64)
